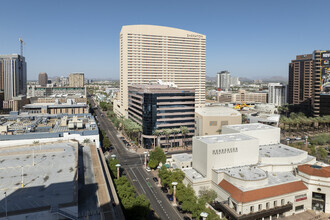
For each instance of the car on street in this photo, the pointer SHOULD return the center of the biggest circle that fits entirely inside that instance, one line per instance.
(170, 197)
(164, 189)
(148, 169)
(155, 179)
(186, 218)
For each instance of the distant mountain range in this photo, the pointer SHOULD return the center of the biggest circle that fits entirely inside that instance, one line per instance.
(280, 79)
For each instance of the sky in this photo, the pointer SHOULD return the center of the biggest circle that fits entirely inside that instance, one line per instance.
(253, 39)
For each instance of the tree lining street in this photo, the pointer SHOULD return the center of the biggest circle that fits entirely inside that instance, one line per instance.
(132, 164)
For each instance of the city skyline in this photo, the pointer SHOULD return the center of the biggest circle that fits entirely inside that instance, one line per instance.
(244, 38)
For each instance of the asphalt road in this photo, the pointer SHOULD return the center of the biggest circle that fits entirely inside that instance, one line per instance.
(133, 165)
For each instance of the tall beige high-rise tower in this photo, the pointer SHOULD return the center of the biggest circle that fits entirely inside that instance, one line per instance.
(76, 80)
(149, 53)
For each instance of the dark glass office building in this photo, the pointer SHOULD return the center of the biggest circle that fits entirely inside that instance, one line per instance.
(160, 107)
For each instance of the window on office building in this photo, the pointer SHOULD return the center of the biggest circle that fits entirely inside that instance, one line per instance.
(282, 201)
(299, 207)
(251, 208)
(275, 203)
(267, 205)
(213, 123)
(259, 207)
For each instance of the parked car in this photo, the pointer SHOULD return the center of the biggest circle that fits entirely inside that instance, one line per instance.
(148, 169)
(164, 189)
(186, 218)
(170, 197)
(155, 179)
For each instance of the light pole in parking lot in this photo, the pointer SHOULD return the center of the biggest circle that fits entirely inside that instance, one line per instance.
(145, 159)
(118, 167)
(6, 204)
(174, 191)
(22, 177)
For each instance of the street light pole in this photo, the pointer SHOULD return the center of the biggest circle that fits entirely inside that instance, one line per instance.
(118, 167)
(33, 158)
(174, 191)
(204, 215)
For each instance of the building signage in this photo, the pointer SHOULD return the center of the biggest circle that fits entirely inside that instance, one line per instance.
(195, 35)
(301, 197)
(225, 151)
(326, 55)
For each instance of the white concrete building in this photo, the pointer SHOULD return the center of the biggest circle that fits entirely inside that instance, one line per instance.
(277, 94)
(255, 176)
(149, 53)
(224, 80)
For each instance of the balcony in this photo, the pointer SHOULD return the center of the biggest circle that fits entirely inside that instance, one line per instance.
(230, 213)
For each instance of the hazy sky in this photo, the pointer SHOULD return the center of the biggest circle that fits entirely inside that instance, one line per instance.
(249, 38)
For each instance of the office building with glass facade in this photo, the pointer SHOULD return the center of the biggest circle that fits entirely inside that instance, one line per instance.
(162, 110)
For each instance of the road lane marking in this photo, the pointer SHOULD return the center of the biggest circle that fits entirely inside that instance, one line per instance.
(137, 181)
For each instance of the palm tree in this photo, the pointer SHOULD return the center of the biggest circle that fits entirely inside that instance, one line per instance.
(157, 133)
(175, 131)
(184, 131)
(167, 132)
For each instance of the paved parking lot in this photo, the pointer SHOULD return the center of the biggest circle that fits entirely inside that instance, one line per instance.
(47, 182)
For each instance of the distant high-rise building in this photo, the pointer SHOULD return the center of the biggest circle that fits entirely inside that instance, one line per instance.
(234, 81)
(309, 82)
(43, 79)
(277, 94)
(223, 80)
(12, 75)
(321, 83)
(149, 53)
(76, 80)
(301, 81)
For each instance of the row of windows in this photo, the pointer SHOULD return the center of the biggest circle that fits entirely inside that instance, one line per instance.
(267, 205)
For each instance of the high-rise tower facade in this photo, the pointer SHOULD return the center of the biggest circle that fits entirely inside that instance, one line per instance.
(301, 81)
(76, 80)
(224, 80)
(43, 79)
(309, 82)
(149, 53)
(12, 75)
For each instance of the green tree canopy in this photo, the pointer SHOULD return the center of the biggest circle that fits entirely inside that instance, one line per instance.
(158, 155)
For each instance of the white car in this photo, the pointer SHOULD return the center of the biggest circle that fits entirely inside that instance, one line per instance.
(148, 169)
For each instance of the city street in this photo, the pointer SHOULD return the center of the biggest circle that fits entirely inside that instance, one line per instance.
(132, 163)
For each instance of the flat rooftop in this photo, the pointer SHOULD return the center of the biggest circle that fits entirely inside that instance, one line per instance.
(224, 138)
(42, 124)
(51, 181)
(217, 111)
(251, 127)
(182, 157)
(192, 173)
(244, 172)
(251, 173)
(279, 150)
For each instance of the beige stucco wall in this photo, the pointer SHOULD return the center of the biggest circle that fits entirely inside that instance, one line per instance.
(204, 127)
